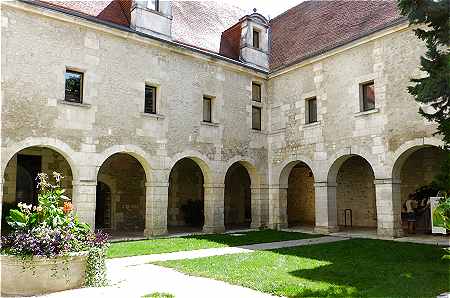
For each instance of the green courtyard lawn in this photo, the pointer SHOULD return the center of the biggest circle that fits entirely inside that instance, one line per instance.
(350, 268)
(165, 245)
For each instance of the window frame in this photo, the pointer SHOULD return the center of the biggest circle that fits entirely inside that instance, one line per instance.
(258, 38)
(260, 92)
(308, 102)
(80, 99)
(156, 5)
(259, 128)
(154, 99)
(210, 113)
(364, 107)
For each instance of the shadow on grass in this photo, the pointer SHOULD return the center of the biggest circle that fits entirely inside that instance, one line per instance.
(253, 237)
(374, 268)
(350, 268)
(192, 242)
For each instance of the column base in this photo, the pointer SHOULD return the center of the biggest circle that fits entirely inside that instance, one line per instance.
(278, 226)
(213, 230)
(391, 233)
(255, 225)
(155, 232)
(325, 230)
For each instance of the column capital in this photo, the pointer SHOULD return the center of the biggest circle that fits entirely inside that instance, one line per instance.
(324, 184)
(214, 185)
(84, 182)
(278, 186)
(386, 181)
(156, 184)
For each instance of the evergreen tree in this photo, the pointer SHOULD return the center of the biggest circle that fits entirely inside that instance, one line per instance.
(432, 18)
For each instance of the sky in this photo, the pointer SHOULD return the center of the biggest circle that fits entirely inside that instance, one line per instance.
(267, 8)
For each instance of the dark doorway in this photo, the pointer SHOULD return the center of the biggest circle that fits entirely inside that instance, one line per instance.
(28, 167)
(186, 193)
(238, 212)
(103, 207)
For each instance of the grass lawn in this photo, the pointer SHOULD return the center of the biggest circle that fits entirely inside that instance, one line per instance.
(351, 268)
(163, 245)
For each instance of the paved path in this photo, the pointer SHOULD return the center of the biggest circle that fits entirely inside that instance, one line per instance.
(134, 277)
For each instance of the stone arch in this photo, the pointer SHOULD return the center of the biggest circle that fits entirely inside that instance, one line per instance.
(415, 164)
(297, 179)
(18, 176)
(286, 168)
(190, 171)
(201, 160)
(51, 143)
(125, 171)
(241, 194)
(249, 165)
(138, 153)
(336, 161)
(407, 149)
(352, 176)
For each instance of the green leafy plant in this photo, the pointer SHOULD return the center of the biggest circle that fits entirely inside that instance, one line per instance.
(441, 214)
(51, 229)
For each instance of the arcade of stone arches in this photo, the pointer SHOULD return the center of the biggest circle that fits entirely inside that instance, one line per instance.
(121, 189)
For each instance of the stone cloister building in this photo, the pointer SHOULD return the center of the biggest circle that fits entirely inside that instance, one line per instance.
(194, 114)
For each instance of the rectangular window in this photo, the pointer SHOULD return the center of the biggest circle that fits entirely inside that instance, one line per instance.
(74, 86)
(207, 109)
(311, 110)
(153, 4)
(256, 39)
(256, 118)
(256, 92)
(150, 100)
(368, 96)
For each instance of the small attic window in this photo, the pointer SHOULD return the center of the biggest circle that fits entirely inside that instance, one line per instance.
(256, 39)
(153, 5)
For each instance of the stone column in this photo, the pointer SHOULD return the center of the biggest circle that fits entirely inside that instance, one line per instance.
(214, 208)
(264, 205)
(326, 209)
(388, 207)
(84, 199)
(156, 201)
(256, 207)
(278, 207)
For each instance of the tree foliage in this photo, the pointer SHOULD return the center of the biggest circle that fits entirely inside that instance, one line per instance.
(433, 27)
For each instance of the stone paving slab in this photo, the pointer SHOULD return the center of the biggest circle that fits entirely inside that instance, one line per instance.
(136, 281)
(209, 252)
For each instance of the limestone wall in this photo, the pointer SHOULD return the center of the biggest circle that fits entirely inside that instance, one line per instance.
(356, 191)
(301, 196)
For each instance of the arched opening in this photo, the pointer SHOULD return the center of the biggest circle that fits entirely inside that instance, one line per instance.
(238, 206)
(185, 212)
(355, 194)
(301, 196)
(416, 169)
(20, 183)
(120, 197)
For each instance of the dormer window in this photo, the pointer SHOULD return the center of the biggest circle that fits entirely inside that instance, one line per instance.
(256, 39)
(153, 5)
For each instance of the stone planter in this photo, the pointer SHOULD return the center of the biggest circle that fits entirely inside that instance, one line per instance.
(41, 275)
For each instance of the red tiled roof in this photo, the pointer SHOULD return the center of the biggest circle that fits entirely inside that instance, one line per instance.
(230, 42)
(111, 11)
(306, 30)
(313, 27)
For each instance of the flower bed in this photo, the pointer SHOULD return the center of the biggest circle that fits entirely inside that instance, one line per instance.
(48, 249)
